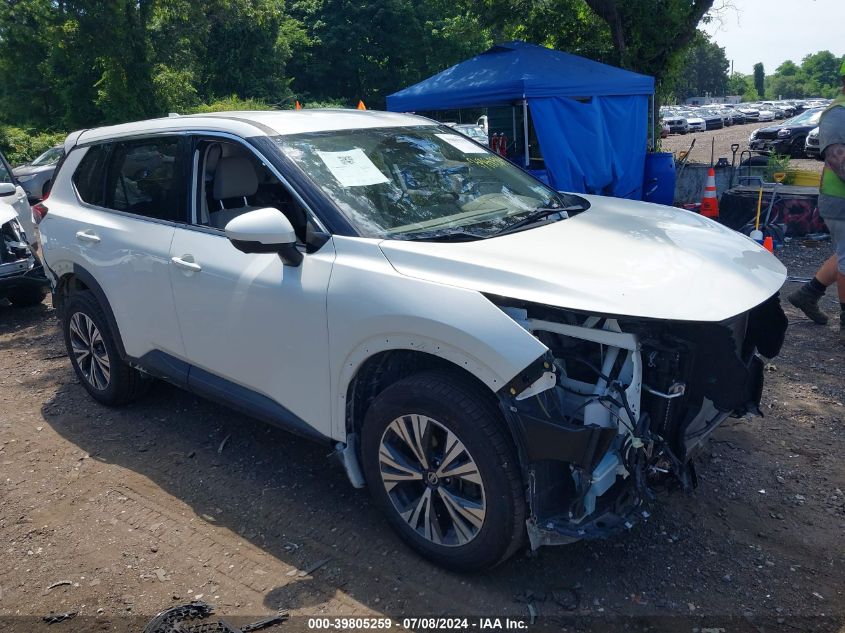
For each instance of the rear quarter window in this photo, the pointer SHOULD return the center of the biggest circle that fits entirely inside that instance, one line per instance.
(89, 177)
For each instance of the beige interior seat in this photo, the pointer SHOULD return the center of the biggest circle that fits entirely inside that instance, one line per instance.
(234, 178)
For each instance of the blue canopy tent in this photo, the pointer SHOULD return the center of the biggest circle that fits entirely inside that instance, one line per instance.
(591, 119)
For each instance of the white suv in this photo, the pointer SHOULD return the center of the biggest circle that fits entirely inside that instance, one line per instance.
(495, 360)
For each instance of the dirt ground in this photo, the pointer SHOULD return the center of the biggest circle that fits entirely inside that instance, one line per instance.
(137, 509)
(724, 139)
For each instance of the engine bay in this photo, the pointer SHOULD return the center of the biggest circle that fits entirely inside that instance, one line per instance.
(617, 409)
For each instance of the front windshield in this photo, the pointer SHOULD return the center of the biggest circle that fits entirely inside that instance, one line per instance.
(404, 182)
(810, 117)
(50, 157)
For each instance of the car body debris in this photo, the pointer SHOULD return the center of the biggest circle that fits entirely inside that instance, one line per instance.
(55, 618)
(185, 619)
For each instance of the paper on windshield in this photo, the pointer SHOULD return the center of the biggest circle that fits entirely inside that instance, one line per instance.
(462, 143)
(352, 168)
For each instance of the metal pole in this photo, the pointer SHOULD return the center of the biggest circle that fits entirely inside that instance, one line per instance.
(651, 139)
(525, 128)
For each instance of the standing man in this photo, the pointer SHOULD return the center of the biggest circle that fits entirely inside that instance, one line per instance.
(832, 210)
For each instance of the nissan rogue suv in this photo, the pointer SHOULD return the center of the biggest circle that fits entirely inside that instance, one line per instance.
(498, 362)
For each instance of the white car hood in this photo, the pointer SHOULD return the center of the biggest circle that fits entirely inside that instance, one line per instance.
(619, 257)
(7, 212)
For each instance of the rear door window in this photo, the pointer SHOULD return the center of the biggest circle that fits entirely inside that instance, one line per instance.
(147, 177)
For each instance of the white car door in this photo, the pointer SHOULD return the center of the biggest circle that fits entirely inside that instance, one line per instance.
(255, 330)
(134, 192)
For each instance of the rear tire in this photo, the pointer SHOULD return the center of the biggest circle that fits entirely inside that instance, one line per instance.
(94, 355)
(462, 505)
(26, 295)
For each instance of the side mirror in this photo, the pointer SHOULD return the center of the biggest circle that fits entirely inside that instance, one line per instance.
(7, 188)
(264, 231)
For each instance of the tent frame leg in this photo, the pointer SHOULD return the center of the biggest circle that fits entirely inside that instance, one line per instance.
(652, 145)
(525, 130)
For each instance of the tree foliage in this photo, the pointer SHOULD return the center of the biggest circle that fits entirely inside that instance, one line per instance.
(760, 79)
(816, 76)
(67, 64)
(354, 50)
(703, 70)
(76, 63)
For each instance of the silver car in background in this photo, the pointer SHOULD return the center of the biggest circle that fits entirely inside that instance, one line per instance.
(475, 132)
(35, 177)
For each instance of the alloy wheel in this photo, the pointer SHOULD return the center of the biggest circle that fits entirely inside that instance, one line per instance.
(89, 351)
(432, 480)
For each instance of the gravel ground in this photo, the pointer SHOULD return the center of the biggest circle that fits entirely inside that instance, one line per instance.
(136, 509)
(724, 139)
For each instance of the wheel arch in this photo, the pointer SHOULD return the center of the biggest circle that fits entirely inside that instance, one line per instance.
(77, 279)
(385, 367)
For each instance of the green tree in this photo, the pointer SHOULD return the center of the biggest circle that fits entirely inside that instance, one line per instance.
(760, 79)
(246, 52)
(647, 36)
(788, 69)
(366, 50)
(738, 84)
(568, 25)
(703, 70)
(23, 62)
(823, 67)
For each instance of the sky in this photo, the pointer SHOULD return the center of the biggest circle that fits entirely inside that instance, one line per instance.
(772, 31)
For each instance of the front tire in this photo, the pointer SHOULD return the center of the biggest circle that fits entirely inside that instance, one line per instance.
(441, 465)
(94, 354)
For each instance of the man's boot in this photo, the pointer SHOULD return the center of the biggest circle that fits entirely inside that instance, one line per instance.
(806, 299)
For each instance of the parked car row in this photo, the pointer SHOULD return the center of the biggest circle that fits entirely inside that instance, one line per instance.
(684, 119)
(35, 177)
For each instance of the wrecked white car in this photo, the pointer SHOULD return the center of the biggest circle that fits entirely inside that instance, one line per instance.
(499, 363)
(22, 279)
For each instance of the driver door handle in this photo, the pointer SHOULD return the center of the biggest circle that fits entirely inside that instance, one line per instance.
(185, 264)
(88, 236)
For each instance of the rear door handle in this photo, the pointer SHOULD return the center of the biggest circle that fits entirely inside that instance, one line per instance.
(88, 236)
(185, 264)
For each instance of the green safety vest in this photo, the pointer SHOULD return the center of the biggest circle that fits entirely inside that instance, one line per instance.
(832, 184)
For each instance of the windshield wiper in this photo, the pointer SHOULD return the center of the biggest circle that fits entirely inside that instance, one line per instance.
(458, 235)
(539, 214)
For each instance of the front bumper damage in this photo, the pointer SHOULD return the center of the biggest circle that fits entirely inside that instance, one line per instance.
(18, 264)
(618, 407)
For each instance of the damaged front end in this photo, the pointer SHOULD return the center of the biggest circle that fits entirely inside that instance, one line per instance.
(619, 406)
(19, 267)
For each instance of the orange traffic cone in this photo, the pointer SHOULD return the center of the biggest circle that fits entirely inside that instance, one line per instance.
(298, 106)
(361, 105)
(709, 203)
(769, 244)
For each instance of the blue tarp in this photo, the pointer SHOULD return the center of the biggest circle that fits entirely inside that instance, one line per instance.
(593, 147)
(596, 144)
